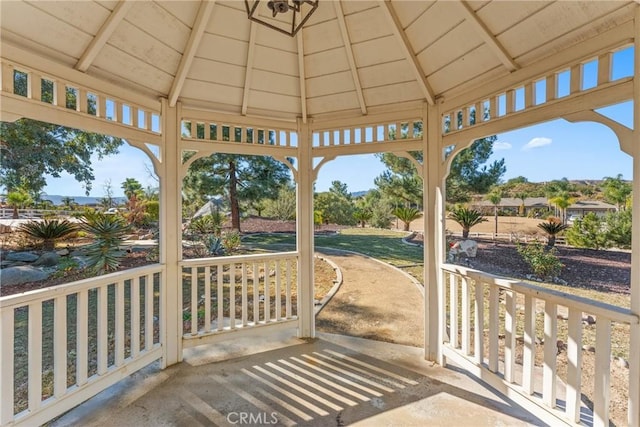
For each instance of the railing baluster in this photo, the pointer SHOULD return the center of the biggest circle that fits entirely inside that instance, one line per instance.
(288, 292)
(59, 346)
(207, 297)
(102, 335)
(232, 295)
(35, 355)
(494, 327)
(278, 291)
(604, 68)
(256, 294)
(135, 317)
(602, 377)
(61, 94)
(510, 337)
(7, 86)
(119, 323)
(575, 83)
(453, 310)
(34, 86)
(194, 301)
(220, 296)
(550, 354)
(82, 336)
(466, 317)
(528, 357)
(574, 367)
(7, 343)
(245, 304)
(267, 293)
(148, 312)
(552, 87)
(478, 321)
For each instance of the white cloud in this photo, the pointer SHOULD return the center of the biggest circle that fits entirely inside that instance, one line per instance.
(537, 142)
(500, 145)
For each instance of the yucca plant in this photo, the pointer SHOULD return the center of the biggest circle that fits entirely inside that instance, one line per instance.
(406, 215)
(467, 218)
(48, 230)
(552, 228)
(109, 231)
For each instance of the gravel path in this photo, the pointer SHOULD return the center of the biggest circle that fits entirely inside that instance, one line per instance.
(375, 301)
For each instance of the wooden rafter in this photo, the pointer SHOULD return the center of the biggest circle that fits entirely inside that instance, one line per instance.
(302, 76)
(398, 31)
(202, 18)
(484, 32)
(347, 47)
(105, 32)
(249, 72)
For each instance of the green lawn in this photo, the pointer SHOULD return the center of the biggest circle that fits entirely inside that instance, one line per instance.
(385, 245)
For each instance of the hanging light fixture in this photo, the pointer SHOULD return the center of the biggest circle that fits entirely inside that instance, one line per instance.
(285, 16)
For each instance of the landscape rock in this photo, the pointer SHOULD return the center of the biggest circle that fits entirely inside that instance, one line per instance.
(589, 348)
(622, 362)
(21, 274)
(464, 248)
(21, 256)
(590, 320)
(63, 252)
(47, 259)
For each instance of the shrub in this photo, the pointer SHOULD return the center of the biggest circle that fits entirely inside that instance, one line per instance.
(543, 262)
(109, 231)
(207, 224)
(619, 228)
(588, 232)
(283, 207)
(231, 241)
(48, 230)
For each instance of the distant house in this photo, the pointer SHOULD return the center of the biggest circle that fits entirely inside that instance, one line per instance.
(512, 205)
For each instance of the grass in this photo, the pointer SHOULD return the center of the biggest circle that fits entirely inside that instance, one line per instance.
(385, 245)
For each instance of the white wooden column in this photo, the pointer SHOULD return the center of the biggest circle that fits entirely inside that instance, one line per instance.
(634, 351)
(433, 194)
(171, 235)
(304, 232)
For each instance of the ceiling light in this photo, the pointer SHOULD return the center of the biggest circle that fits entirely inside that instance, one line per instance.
(285, 16)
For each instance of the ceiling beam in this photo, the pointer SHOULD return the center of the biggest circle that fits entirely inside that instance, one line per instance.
(202, 18)
(249, 70)
(302, 75)
(398, 31)
(104, 33)
(484, 32)
(347, 47)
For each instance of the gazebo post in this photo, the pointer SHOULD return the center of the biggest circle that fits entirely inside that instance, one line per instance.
(304, 232)
(433, 190)
(634, 333)
(170, 235)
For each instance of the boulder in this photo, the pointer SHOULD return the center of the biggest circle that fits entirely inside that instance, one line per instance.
(21, 256)
(21, 274)
(465, 248)
(63, 252)
(47, 259)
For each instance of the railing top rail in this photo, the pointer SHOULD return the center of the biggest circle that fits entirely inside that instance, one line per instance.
(73, 287)
(201, 262)
(587, 305)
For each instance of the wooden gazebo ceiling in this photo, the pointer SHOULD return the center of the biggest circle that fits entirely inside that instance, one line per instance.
(352, 57)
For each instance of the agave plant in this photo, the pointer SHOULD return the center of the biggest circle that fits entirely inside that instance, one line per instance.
(467, 218)
(109, 231)
(552, 228)
(406, 215)
(48, 230)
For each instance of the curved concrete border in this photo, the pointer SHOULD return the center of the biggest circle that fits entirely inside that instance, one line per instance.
(337, 283)
(409, 236)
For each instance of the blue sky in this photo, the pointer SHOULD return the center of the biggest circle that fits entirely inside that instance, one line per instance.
(552, 150)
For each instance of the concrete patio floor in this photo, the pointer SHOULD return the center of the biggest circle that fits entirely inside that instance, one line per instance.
(333, 380)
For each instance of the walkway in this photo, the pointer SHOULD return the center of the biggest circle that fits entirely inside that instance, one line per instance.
(375, 301)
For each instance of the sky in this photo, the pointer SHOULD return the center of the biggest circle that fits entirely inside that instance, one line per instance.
(552, 150)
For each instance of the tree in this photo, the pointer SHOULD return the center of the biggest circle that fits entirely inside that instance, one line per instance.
(616, 191)
(282, 207)
(32, 149)
(238, 178)
(131, 188)
(407, 215)
(467, 218)
(552, 228)
(588, 232)
(522, 195)
(495, 197)
(18, 199)
(562, 201)
(400, 182)
(107, 201)
(335, 206)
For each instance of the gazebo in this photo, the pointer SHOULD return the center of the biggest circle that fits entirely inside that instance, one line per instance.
(200, 77)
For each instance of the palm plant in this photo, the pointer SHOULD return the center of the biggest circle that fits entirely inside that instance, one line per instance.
(562, 202)
(467, 218)
(552, 227)
(494, 197)
(18, 199)
(109, 231)
(522, 195)
(48, 230)
(406, 215)
(362, 216)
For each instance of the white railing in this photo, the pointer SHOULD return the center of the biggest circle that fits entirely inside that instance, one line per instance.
(7, 213)
(230, 293)
(64, 344)
(498, 329)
